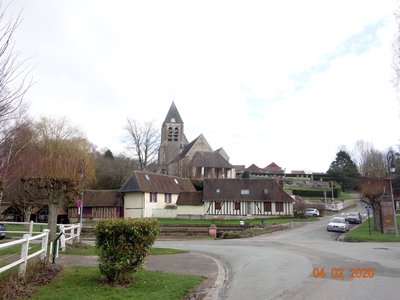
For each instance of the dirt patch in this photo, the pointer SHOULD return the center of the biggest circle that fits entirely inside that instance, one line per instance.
(38, 273)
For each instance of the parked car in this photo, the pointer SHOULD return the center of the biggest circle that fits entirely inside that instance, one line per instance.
(354, 217)
(338, 224)
(2, 231)
(311, 212)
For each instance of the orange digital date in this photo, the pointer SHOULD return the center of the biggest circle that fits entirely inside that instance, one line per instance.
(338, 273)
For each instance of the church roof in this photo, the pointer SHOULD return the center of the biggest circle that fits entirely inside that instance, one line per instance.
(210, 160)
(173, 115)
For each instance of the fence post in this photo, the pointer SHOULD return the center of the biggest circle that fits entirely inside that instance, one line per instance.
(62, 239)
(24, 255)
(79, 231)
(45, 241)
(30, 228)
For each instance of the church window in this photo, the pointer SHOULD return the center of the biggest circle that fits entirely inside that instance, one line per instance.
(176, 134)
(170, 134)
(172, 120)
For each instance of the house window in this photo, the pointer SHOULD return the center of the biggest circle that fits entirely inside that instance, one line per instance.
(267, 206)
(237, 205)
(167, 198)
(87, 210)
(218, 205)
(279, 206)
(153, 197)
(244, 192)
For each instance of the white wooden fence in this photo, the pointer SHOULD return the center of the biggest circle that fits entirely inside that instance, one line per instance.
(69, 233)
(22, 262)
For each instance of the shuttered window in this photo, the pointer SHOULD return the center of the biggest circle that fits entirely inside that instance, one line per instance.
(279, 206)
(217, 205)
(153, 197)
(267, 206)
(237, 205)
(167, 198)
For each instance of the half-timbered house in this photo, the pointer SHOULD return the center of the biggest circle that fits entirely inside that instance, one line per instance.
(246, 197)
(149, 194)
(97, 205)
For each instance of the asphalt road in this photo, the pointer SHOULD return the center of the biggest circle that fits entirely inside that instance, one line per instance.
(290, 264)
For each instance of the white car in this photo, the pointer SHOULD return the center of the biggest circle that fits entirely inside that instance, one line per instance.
(311, 212)
(338, 224)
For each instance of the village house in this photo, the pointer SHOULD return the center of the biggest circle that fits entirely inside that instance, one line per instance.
(97, 205)
(246, 197)
(149, 194)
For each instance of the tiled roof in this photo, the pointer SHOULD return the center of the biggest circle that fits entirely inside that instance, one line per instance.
(101, 198)
(231, 189)
(190, 198)
(158, 183)
(210, 160)
(301, 172)
(273, 168)
(254, 169)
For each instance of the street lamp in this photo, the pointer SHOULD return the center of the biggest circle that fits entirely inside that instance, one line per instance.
(392, 169)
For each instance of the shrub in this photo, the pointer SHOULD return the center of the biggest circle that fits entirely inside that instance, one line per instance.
(123, 245)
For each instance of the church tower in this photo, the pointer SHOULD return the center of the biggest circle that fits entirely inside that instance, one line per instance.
(173, 138)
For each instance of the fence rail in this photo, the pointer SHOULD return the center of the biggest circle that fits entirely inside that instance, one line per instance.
(69, 233)
(24, 242)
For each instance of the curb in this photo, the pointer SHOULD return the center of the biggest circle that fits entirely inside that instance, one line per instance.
(217, 289)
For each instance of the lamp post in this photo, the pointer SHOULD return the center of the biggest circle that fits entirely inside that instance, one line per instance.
(392, 169)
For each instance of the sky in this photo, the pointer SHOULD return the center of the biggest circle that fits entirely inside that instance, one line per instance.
(289, 81)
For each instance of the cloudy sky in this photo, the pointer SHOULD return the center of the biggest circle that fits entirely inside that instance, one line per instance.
(289, 81)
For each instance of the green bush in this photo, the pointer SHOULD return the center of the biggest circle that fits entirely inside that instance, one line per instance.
(123, 245)
(317, 193)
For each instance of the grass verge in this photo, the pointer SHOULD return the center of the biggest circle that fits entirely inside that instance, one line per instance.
(90, 250)
(361, 234)
(77, 282)
(268, 220)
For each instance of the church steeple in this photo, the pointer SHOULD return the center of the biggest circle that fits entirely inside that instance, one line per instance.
(173, 137)
(173, 115)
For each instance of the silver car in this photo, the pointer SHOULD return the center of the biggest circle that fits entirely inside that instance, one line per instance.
(354, 217)
(338, 224)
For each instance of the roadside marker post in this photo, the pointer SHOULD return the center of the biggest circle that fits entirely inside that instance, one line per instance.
(368, 207)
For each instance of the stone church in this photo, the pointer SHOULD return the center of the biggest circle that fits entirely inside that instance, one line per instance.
(195, 160)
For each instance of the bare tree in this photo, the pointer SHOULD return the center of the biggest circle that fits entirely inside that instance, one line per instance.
(14, 84)
(62, 154)
(144, 141)
(370, 161)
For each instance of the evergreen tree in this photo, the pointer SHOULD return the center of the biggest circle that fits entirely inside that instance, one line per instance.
(344, 171)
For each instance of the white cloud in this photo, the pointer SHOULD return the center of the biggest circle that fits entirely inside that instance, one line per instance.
(229, 65)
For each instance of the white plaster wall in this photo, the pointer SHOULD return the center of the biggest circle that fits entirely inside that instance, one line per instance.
(133, 205)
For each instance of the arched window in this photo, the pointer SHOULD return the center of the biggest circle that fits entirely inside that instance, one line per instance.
(176, 134)
(170, 134)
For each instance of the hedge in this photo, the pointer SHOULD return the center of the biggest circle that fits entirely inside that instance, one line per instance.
(123, 245)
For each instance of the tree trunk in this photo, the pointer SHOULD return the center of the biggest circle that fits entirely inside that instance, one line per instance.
(377, 217)
(52, 220)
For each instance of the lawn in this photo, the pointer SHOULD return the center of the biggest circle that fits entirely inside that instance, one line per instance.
(361, 233)
(89, 250)
(77, 282)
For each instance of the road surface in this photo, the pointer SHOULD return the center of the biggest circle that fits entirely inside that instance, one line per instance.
(290, 265)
